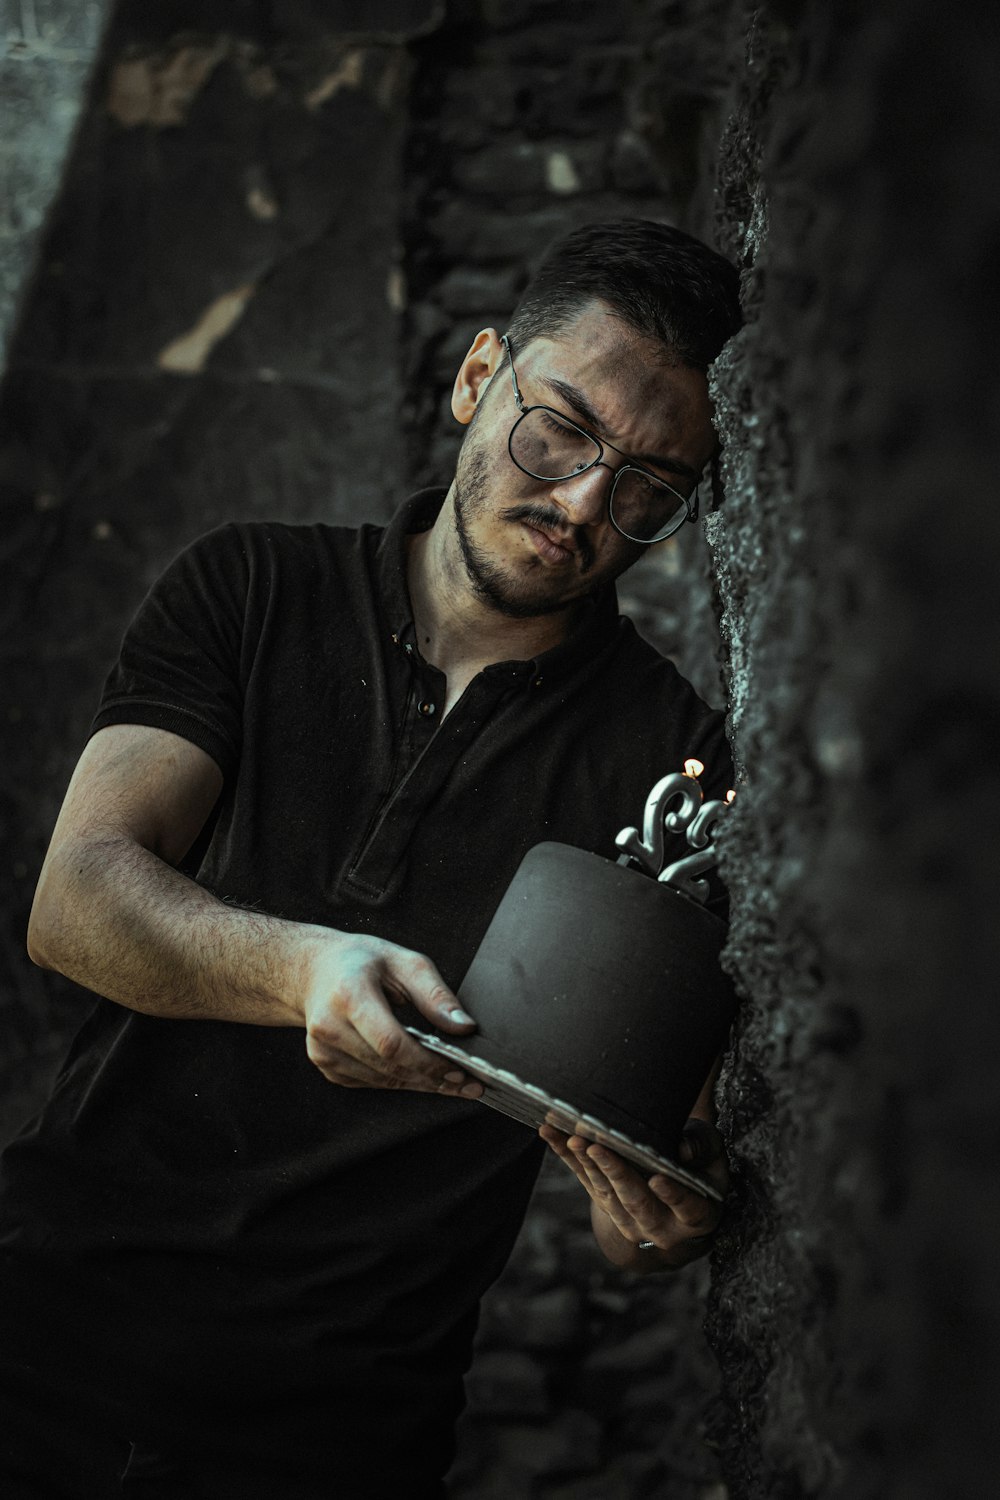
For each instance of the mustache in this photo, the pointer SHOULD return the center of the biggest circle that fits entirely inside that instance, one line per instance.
(553, 520)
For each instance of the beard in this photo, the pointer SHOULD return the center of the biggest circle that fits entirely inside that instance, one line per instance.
(519, 598)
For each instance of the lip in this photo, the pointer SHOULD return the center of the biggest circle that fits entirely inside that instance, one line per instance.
(547, 547)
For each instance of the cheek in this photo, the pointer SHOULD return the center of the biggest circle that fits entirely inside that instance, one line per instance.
(617, 554)
(486, 449)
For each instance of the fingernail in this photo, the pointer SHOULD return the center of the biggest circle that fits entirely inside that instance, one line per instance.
(472, 1090)
(459, 1016)
(453, 1077)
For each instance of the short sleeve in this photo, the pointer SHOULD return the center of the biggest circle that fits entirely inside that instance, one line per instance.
(180, 662)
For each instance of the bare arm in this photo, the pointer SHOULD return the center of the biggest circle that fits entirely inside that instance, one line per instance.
(113, 913)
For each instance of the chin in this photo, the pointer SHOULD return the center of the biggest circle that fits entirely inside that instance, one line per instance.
(514, 597)
(500, 567)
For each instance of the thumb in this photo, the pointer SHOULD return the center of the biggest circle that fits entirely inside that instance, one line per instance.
(700, 1143)
(421, 984)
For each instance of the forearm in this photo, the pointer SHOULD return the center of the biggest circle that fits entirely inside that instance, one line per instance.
(116, 918)
(113, 913)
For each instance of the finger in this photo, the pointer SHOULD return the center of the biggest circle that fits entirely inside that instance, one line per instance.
(655, 1218)
(362, 1041)
(603, 1191)
(414, 978)
(553, 1137)
(447, 1077)
(559, 1143)
(332, 1044)
(691, 1209)
(340, 1065)
(349, 1021)
(703, 1149)
(389, 1047)
(349, 1073)
(624, 1181)
(701, 1142)
(343, 1056)
(638, 1206)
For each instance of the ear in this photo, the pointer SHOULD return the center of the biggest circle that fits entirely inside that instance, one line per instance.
(475, 373)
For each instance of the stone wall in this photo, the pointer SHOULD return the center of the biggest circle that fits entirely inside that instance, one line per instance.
(49, 47)
(853, 1307)
(270, 239)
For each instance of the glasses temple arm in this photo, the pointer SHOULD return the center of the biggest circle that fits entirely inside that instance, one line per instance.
(519, 399)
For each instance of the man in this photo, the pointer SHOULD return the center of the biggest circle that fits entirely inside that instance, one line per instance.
(241, 1261)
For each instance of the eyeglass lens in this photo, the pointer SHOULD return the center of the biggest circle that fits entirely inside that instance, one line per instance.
(549, 448)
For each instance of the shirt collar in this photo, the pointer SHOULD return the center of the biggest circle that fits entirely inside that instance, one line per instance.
(597, 625)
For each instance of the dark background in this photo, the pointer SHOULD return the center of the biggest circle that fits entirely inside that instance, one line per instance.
(242, 248)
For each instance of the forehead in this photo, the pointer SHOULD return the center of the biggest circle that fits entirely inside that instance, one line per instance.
(643, 402)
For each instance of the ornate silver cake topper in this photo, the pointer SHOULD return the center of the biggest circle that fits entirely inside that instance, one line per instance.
(692, 815)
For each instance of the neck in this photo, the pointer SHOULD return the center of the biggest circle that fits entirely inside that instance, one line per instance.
(457, 631)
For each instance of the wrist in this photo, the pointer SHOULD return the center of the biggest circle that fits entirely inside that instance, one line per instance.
(304, 970)
(272, 963)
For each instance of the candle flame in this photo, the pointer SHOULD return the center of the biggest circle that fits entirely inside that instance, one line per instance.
(730, 795)
(693, 768)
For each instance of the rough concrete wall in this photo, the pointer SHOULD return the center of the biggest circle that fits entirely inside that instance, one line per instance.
(853, 1309)
(49, 48)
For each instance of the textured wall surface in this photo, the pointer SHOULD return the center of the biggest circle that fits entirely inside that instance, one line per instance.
(49, 48)
(273, 236)
(853, 1309)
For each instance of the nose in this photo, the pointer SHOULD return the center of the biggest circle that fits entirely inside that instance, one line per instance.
(584, 496)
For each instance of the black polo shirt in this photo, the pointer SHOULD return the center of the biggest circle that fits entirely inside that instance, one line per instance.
(214, 1223)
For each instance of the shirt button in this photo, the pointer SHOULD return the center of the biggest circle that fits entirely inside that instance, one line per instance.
(428, 708)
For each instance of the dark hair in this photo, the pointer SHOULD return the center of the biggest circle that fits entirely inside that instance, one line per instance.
(663, 282)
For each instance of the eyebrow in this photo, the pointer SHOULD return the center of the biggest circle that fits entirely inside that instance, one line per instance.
(578, 401)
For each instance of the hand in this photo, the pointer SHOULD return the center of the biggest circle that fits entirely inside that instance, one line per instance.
(351, 1033)
(628, 1209)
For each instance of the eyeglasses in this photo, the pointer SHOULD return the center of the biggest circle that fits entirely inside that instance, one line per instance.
(546, 445)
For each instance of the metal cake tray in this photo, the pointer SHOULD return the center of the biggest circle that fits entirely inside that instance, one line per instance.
(505, 1092)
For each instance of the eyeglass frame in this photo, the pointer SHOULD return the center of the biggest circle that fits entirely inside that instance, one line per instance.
(690, 503)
